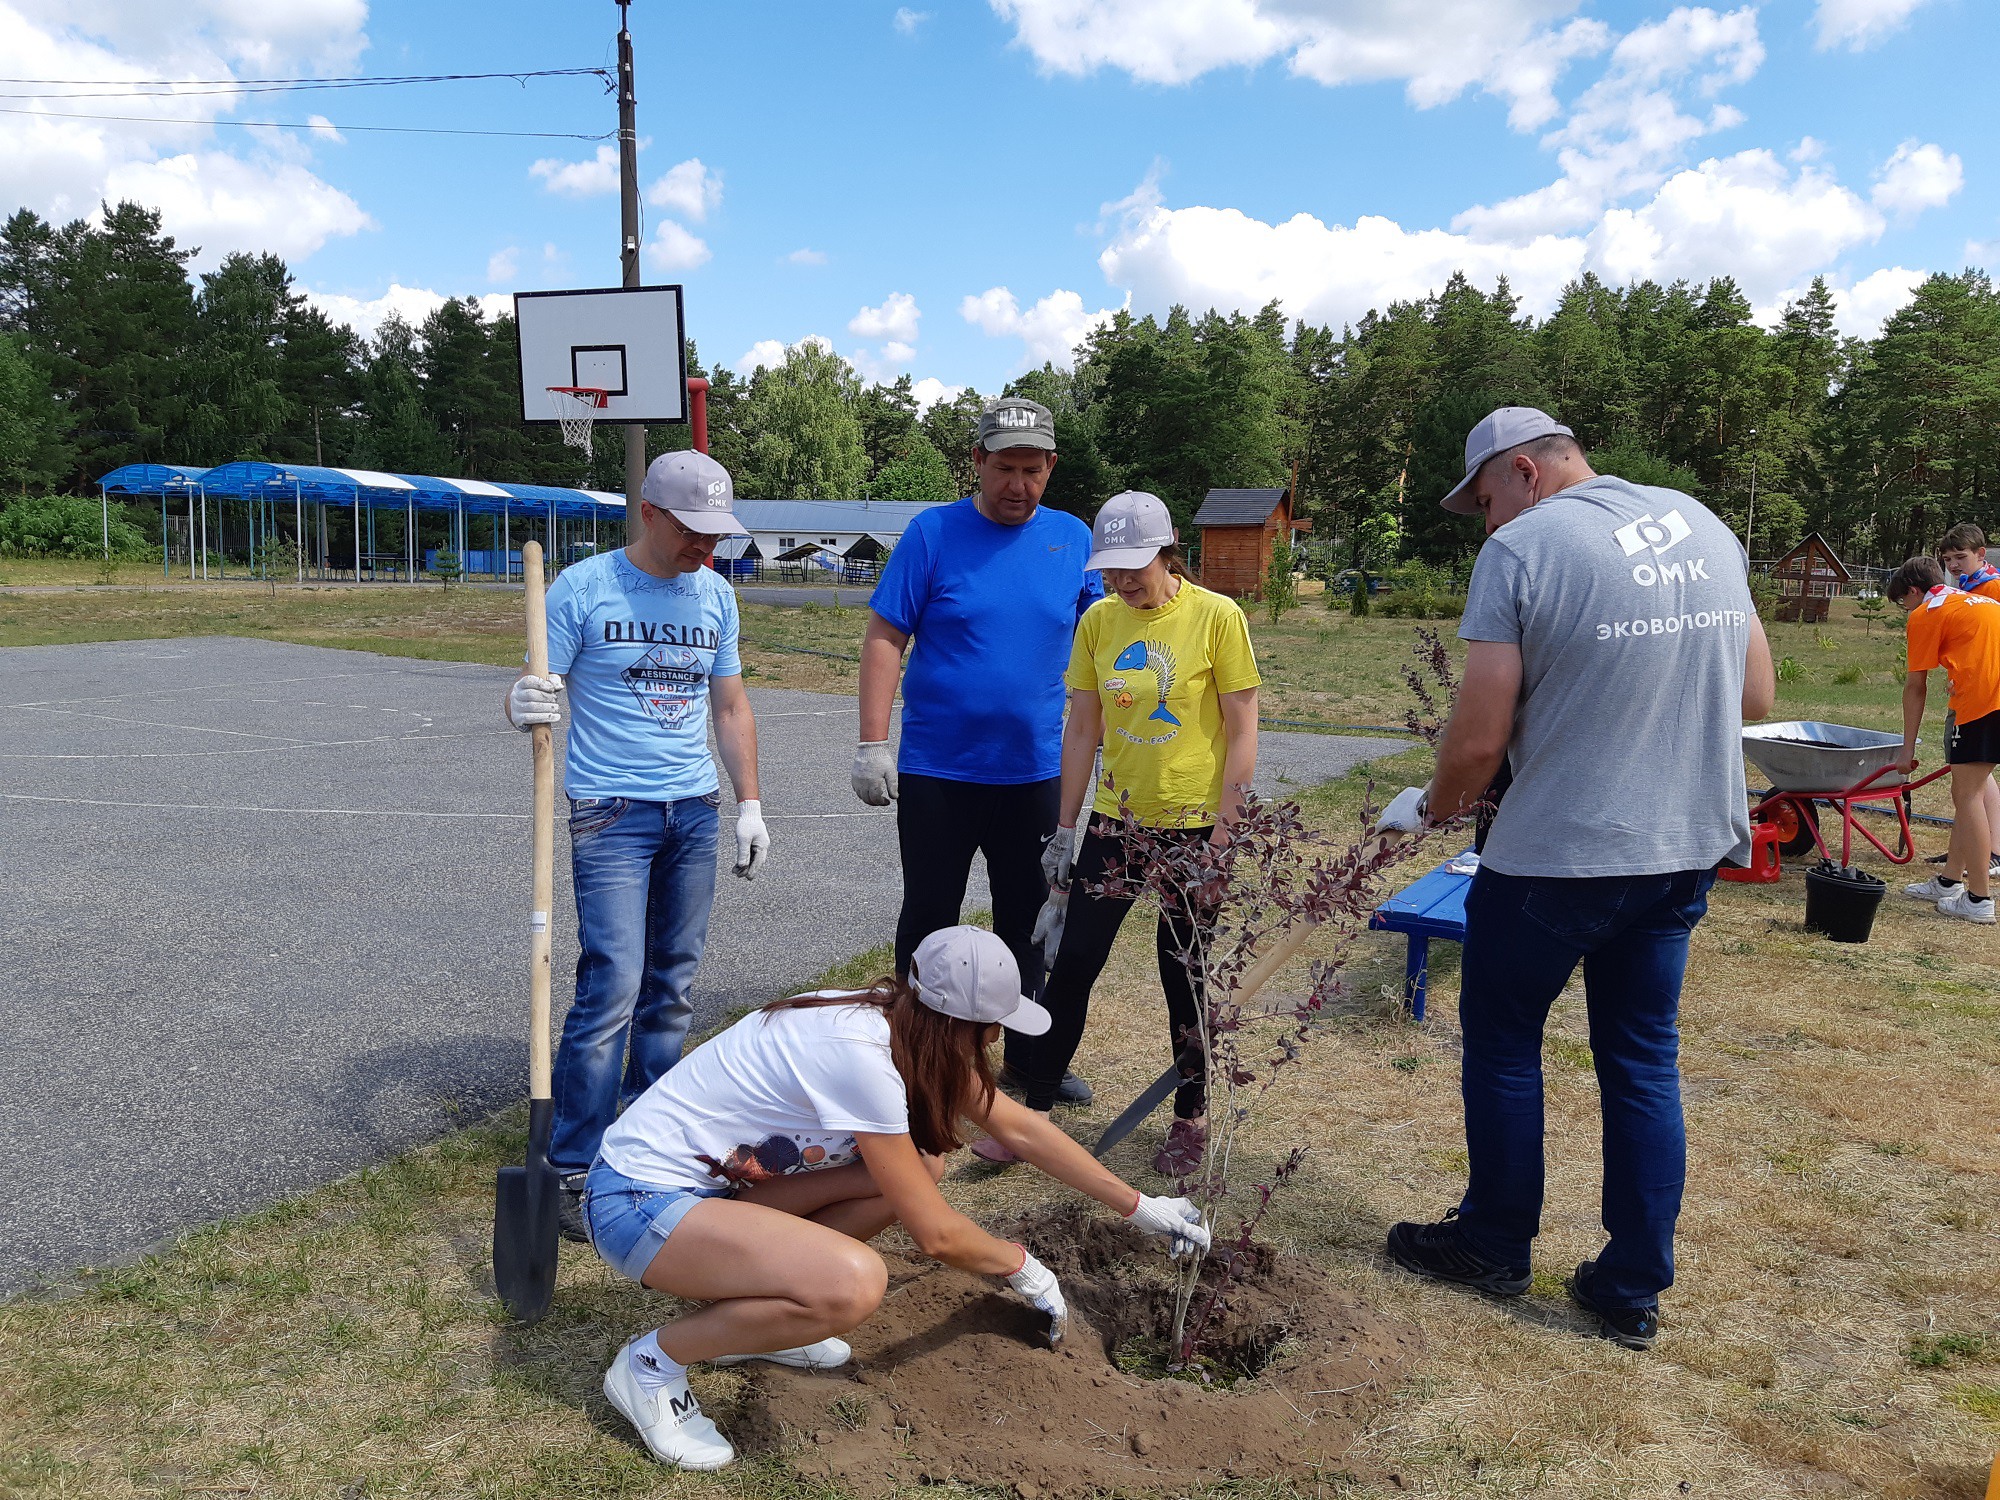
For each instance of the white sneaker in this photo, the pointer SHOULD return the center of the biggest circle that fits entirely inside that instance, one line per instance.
(827, 1354)
(1960, 904)
(670, 1419)
(1932, 889)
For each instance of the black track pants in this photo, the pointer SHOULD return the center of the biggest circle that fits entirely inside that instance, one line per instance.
(940, 825)
(1088, 933)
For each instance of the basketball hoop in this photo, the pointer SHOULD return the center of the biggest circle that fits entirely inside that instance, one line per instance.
(576, 408)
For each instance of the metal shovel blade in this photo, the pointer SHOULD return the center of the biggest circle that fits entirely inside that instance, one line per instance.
(524, 1223)
(1155, 1095)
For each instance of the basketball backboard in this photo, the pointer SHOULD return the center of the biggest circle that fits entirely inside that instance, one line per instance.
(626, 341)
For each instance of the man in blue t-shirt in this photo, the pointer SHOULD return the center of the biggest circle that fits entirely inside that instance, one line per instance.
(643, 641)
(991, 588)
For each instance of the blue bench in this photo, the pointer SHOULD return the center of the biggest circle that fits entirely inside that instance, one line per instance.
(1432, 907)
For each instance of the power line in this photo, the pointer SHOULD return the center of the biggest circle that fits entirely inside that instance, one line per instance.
(536, 135)
(126, 88)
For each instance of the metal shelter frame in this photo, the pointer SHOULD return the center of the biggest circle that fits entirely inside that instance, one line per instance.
(261, 490)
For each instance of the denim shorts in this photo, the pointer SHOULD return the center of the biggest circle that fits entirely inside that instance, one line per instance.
(630, 1220)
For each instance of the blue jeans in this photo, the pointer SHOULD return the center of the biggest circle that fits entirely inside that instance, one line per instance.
(1524, 936)
(645, 879)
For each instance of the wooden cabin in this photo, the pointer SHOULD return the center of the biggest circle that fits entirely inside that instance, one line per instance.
(1238, 530)
(1808, 577)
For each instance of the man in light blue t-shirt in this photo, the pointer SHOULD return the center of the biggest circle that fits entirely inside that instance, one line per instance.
(644, 643)
(990, 588)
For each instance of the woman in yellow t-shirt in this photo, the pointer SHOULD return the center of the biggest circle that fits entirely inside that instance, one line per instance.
(1162, 677)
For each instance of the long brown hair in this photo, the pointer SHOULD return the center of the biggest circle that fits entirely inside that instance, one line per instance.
(943, 1059)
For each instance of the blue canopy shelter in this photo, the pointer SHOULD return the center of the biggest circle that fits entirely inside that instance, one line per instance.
(265, 491)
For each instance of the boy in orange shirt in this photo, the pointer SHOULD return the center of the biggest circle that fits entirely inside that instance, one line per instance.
(1960, 632)
(1963, 553)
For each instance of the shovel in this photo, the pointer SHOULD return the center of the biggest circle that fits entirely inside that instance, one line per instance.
(525, 1197)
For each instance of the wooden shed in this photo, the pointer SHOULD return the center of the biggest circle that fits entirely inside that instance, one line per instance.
(1238, 529)
(1808, 577)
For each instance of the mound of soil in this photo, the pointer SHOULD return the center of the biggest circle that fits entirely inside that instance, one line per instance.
(951, 1378)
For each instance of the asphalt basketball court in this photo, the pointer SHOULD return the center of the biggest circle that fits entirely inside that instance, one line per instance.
(269, 915)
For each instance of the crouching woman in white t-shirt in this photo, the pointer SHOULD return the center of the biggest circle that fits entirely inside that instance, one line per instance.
(751, 1175)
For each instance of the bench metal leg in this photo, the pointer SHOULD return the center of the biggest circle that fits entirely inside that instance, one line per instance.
(1416, 971)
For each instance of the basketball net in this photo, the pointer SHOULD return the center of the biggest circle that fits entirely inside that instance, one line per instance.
(576, 409)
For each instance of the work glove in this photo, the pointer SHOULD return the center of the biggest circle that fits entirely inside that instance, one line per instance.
(1176, 1218)
(1407, 812)
(1057, 854)
(874, 773)
(1037, 1283)
(753, 840)
(532, 701)
(1049, 926)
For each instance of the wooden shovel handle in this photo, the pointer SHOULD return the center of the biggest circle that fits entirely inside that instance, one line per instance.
(543, 833)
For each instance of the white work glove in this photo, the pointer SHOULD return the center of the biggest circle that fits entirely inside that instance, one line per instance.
(1057, 854)
(1176, 1218)
(532, 701)
(753, 840)
(1049, 926)
(1407, 812)
(874, 773)
(1037, 1283)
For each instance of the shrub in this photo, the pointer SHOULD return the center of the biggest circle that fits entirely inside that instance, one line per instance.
(1421, 591)
(1790, 669)
(66, 526)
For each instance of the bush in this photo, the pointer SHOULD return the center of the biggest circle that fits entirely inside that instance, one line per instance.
(66, 526)
(1420, 591)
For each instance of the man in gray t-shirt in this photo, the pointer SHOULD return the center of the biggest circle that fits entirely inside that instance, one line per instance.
(1613, 652)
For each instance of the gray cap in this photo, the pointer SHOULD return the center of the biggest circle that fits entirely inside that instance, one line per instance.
(1129, 531)
(1016, 422)
(695, 490)
(969, 973)
(1508, 427)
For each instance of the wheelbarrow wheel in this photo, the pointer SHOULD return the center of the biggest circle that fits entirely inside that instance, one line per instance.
(1795, 822)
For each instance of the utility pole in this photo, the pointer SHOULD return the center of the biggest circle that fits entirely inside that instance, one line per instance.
(628, 228)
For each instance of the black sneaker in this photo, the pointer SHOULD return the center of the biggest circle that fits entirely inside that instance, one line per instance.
(1439, 1251)
(570, 1222)
(1072, 1090)
(1627, 1327)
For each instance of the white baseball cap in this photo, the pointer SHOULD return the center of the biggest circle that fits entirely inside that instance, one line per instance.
(1129, 531)
(969, 973)
(695, 490)
(1508, 427)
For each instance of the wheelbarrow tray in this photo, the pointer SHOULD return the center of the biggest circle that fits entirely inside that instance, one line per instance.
(1806, 755)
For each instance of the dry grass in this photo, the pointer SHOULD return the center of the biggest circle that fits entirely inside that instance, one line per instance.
(1835, 1329)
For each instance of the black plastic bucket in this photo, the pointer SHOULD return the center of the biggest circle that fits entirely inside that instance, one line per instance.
(1841, 901)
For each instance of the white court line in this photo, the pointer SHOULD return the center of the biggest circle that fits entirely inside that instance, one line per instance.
(78, 713)
(228, 687)
(380, 739)
(364, 812)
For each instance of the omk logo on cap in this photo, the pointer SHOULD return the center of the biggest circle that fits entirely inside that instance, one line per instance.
(1669, 531)
(718, 493)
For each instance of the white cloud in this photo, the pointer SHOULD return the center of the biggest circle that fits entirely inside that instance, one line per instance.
(503, 266)
(1747, 216)
(770, 353)
(322, 129)
(224, 203)
(673, 248)
(804, 257)
(907, 21)
(1510, 48)
(411, 303)
(930, 391)
(258, 192)
(1863, 308)
(1051, 329)
(688, 189)
(1628, 129)
(1859, 24)
(895, 320)
(1918, 177)
(579, 179)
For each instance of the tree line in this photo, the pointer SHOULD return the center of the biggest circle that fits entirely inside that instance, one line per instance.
(110, 353)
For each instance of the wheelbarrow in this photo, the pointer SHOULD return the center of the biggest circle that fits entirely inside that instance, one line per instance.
(1811, 762)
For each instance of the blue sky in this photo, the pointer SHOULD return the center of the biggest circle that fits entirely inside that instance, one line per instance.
(959, 190)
